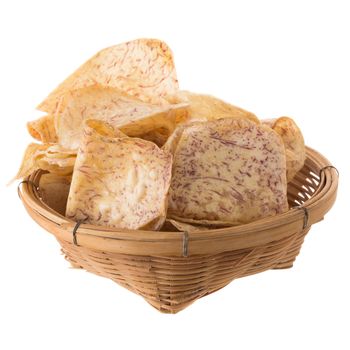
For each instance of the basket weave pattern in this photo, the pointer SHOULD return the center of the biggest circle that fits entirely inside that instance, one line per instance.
(172, 270)
(170, 284)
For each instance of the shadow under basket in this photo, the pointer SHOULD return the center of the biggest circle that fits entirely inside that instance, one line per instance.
(173, 269)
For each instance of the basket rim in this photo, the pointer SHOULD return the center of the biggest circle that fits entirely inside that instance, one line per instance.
(139, 242)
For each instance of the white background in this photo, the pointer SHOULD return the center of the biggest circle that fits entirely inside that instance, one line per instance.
(271, 57)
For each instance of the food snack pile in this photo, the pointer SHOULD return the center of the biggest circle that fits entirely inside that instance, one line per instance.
(122, 146)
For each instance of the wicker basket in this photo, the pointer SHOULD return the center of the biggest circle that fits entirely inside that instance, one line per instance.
(173, 269)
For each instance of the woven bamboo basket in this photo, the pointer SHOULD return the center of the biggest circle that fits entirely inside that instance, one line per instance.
(173, 269)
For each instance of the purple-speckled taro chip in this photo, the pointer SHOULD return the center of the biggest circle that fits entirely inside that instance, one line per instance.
(227, 171)
(142, 68)
(115, 107)
(119, 181)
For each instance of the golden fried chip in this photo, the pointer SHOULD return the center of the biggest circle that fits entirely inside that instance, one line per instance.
(162, 121)
(43, 129)
(54, 191)
(205, 107)
(29, 160)
(50, 157)
(158, 136)
(174, 138)
(111, 105)
(120, 182)
(102, 128)
(142, 68)
(209, 224)
(181, 226)
(293, 142)
(59, 166)
(228, 170)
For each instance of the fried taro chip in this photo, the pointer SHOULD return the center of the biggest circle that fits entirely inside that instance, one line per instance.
(111, 105)
(173, 140)
(293, 142)
(206, 107)
(43, 129)
(119, 182)
(228, 171)
(171, 225)
(159, 136)
(50, 157)
(142, 68)
(208, 224)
